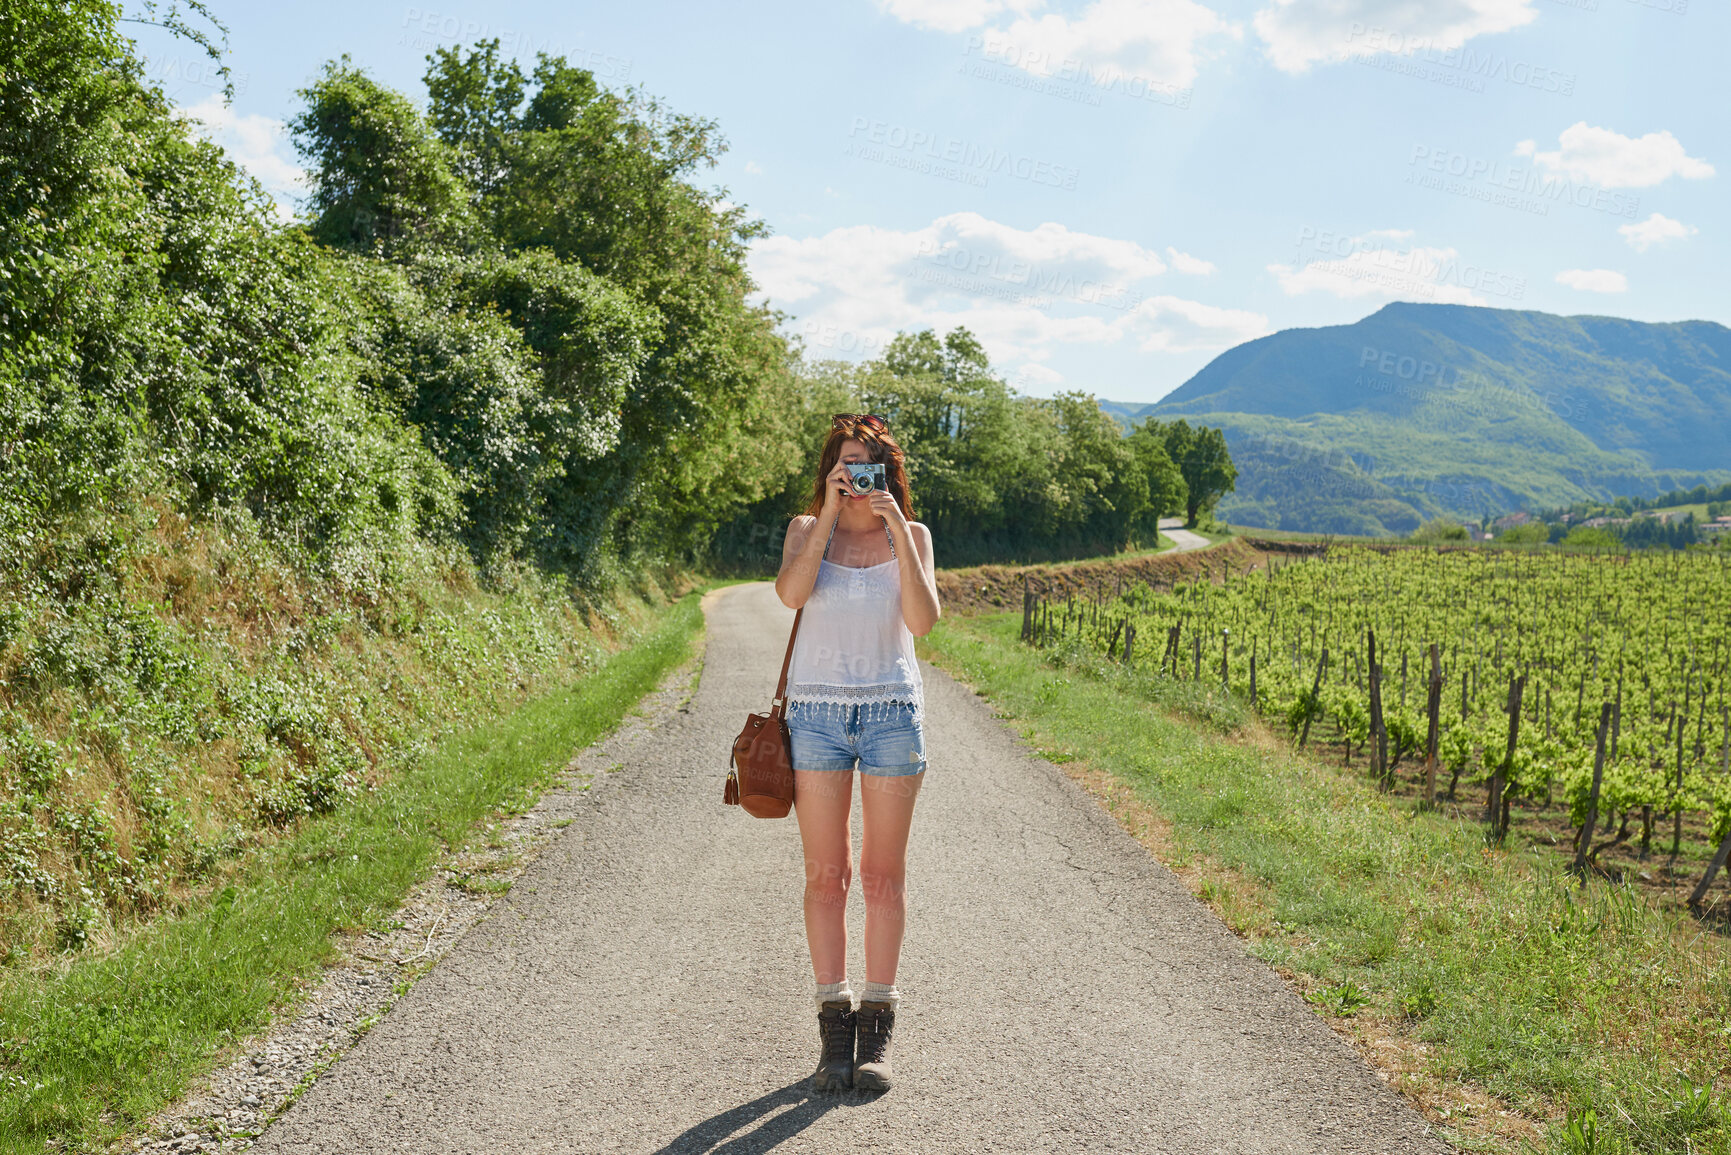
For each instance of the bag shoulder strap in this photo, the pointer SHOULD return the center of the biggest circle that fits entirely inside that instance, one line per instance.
(778, 706)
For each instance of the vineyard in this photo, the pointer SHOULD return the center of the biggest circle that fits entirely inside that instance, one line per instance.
(1511, 678)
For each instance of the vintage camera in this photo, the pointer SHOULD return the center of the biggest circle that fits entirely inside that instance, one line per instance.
(867, 477)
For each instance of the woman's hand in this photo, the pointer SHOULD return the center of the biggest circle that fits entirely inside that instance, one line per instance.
(836, 489)
(884, 504)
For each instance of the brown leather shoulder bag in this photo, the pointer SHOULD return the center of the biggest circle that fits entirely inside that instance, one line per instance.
(760, 772)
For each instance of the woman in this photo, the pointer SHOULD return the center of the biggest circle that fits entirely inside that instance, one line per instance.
(861, 568)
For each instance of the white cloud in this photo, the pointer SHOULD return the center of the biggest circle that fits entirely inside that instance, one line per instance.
(1655, 230)
(1185, 263)
(1350, 267)
(259, 144)
(1594, 280)
(1026, 293)
(951, 15)
(1158, 40)
(1171, 324)
(753, 167)
(1035, 374)
(1612, 160)
(1299, 33)
(1108, 42)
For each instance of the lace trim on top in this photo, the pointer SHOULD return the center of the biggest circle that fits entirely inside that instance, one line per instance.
(837, 702)
(854, 695)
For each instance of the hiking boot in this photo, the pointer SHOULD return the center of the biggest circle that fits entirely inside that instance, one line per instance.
(835, 1028)
(871, 1066)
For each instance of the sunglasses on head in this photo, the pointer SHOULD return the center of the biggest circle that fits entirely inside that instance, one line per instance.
(869, 420)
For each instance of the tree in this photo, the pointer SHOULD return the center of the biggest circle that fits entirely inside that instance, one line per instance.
(1162, 482)
(605, 181)
(1205, 464)
(379, 174)
(474, 105)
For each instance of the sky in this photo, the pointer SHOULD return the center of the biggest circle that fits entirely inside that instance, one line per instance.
(1110, 193)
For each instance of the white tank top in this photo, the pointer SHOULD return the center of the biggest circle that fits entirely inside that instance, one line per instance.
(854, 648)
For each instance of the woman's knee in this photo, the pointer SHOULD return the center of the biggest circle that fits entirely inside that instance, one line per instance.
(882, 882)
(827, 882)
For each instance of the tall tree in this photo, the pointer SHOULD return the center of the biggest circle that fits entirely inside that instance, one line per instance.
(380, 176)
(475, 104)
(1205, 464)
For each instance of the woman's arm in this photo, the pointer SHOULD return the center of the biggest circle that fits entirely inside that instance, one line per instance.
(919, 584)
(800, 554)
(807, 537)
(914, 551)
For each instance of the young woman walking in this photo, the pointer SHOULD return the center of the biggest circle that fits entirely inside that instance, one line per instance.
(861, 568)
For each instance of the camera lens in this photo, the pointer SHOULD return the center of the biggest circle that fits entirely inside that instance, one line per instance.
(862, 483)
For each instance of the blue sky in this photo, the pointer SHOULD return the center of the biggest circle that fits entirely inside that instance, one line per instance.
(1111, 193)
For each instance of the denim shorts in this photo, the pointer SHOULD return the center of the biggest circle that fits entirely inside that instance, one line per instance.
(891, 740)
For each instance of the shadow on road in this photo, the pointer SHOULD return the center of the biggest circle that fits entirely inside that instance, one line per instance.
(710, 1137)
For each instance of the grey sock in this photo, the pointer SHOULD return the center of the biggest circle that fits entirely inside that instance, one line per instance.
(834, 993)
(871, 992)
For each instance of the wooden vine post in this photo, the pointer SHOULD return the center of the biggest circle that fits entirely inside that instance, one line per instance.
(1699, 894)
(1433, 705)
(1713, 868)
(1315, 694)
(1497, 808)
(1376, 739)
(1586, 845)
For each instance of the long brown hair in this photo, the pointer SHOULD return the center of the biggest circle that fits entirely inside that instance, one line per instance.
(880, 447)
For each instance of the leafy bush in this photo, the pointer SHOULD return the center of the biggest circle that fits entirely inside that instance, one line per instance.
(1532, 533)
(1441, 529)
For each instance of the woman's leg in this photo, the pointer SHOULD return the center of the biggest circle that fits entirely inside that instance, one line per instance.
(821, 799)
(887, 812)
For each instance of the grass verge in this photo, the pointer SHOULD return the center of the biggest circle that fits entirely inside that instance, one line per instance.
(1518, 1009)
(88, 1052)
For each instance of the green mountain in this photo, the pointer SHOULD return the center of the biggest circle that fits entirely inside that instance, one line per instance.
(1419, 411)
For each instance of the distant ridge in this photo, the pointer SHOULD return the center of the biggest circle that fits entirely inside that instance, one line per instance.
(1419, 411)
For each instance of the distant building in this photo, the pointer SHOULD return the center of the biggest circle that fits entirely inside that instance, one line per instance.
(1519, 517)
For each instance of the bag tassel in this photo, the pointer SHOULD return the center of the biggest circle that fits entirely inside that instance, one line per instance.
(730, 792)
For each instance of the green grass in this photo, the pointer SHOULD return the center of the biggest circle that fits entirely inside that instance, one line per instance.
(88, 1052)
(1559, 999)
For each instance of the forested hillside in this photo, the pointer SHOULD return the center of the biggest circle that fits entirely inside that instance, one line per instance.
(279, 503)
(1426, 410)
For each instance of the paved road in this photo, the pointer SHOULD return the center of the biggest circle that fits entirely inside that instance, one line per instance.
(645, 987)
(1182, 539)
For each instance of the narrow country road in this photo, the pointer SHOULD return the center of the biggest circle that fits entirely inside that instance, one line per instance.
(645, 987)
(1183, 540)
